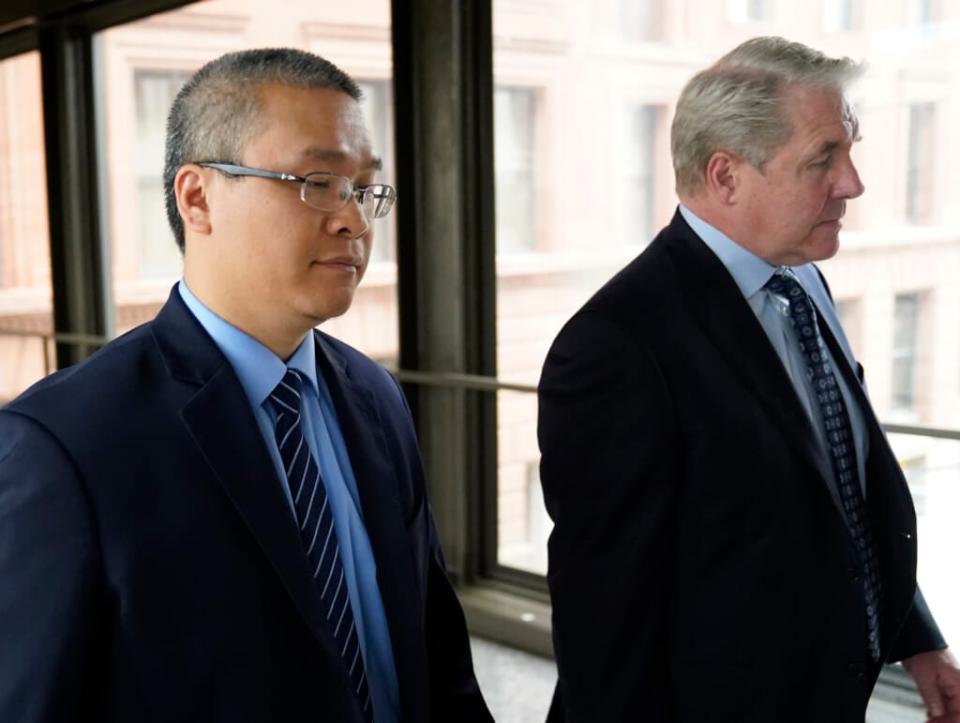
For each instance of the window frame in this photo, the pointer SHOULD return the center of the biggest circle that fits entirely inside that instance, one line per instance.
(443, 111)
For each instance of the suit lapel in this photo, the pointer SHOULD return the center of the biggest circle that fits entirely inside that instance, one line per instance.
(383, 517)
(890, 506)
(221, 423)
(716, 303)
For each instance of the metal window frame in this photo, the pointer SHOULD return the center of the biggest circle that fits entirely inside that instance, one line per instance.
(443, 105)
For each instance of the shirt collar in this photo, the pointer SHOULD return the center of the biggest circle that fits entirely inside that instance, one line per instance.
(748, 270)
(258, 369)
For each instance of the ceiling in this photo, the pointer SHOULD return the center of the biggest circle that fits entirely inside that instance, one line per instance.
(16, 12)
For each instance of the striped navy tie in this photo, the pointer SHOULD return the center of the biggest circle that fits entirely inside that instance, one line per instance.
(839, 436)
(315, 519)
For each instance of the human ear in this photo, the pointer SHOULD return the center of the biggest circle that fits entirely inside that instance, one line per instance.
(722, 176)
(190, 187)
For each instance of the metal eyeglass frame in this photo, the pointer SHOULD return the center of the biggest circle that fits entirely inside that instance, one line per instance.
(384, 194)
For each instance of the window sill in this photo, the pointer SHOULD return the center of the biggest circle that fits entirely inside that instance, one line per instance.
(506, 616)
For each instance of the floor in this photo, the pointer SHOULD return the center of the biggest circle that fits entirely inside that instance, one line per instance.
(518, 687)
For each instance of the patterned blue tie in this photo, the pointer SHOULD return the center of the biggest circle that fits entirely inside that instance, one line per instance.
(315, 520)
(839, 436)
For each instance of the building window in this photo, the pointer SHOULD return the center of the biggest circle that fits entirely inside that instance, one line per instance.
(920, 162)
(923, 13)
(514, 113)
(743, 11)
(639, 173)
(906, 320)
(155, 91)
(837, 16)
(378, 110)
(641, 21)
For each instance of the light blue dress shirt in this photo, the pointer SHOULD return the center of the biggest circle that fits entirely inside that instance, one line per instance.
(259, 371)
(751, 273)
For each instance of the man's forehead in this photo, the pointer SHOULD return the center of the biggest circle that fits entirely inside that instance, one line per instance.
(336, 155)
(317, 124)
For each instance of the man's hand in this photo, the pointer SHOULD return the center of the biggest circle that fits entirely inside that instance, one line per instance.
(938, 680)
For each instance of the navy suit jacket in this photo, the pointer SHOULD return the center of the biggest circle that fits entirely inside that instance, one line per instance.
(700, 569)
(150, 569)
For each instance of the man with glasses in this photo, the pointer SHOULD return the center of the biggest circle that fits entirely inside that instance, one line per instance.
(734, 539)
(222, 515)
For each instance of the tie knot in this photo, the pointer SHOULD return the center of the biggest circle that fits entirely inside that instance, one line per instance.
(786, 285)
(286, 395)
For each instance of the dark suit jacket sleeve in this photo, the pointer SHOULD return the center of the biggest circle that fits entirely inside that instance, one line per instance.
(454, 693)
(610, 471)
(919, 633)
(49, 571)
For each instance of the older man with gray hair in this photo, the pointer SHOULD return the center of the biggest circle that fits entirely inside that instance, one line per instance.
(734, 538)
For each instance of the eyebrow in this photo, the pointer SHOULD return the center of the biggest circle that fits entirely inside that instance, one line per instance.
(329, 154)
(827, 147)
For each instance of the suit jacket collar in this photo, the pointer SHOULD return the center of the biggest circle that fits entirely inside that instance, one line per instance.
(717, 304)
(222, 425)
(219, 419)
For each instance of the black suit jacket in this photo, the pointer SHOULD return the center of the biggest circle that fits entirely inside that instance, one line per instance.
(150, 569)
(700, 569)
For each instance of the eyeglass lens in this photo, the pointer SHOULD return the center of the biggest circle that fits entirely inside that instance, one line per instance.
(328, 192)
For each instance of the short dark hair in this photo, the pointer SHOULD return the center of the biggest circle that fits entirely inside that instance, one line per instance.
(217, 110)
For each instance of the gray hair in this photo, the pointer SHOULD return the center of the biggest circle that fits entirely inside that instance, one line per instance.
(735, 104)
(218, 110)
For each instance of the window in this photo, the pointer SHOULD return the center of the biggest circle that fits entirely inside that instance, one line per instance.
(143, 65)
(920, 162)
(837, 16)
(932, 468)
(742, 11)
(378, 109)
(514, 110)
(906, 319)
(522, 521)
(25, 290)
(639, 174)
(923, 14)
(641, 21)
(603, 186)
(155, 91)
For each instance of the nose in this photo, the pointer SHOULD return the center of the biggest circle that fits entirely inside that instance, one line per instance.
(350, 221)
(848, 183)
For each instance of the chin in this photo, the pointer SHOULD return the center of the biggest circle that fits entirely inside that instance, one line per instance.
(330, 309)
(822, 247)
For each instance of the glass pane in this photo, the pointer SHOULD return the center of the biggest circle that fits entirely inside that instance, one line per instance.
(515, 114)
(932, 467)
(920, 162)
(26, 299)
(143, 66)
(592, 169)
(522, 523)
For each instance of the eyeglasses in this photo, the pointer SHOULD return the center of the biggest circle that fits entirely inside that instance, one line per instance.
(324, 191)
